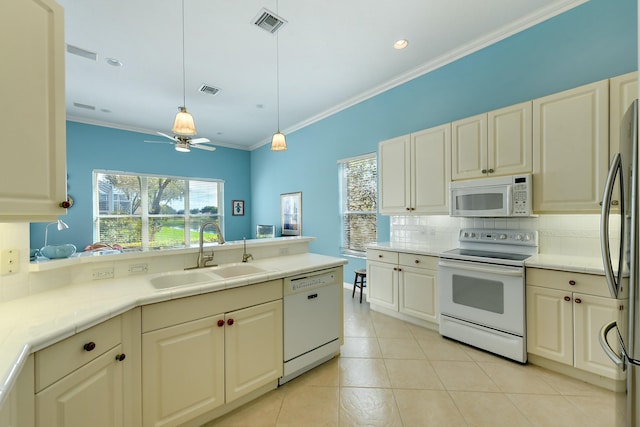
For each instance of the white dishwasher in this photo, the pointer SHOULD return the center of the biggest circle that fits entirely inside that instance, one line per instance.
(311, 320)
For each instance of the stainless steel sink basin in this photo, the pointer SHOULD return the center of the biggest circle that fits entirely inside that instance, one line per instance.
(182, 278)
(236, 270)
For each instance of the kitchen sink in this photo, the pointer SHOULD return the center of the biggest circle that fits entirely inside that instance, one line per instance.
(236, 270)
(182, 278)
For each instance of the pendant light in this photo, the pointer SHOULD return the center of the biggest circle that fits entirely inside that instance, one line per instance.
(278, 141)
(183, 124)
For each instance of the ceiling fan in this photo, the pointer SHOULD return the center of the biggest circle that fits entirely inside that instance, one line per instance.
(184, 143)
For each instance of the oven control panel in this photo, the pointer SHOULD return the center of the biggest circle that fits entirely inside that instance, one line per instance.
(513, 237)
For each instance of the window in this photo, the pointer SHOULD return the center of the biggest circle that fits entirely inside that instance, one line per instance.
(358, 203)
(154, 212)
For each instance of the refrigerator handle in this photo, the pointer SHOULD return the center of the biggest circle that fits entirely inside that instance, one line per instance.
(619, 361)
(616, 166)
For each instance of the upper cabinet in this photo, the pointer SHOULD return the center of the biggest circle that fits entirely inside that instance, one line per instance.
(415, 172)
(623, 91)
(570, 149)
(32, 169)
(492, 144)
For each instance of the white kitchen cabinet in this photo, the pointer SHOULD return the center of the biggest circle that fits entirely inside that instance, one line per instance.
(205, 351)
(415, 172)
(84, 380)
(496, 143)
(33, 166)
(571, 149)
(565, 312)
(18, 408)
(403, 285)
(623, 91)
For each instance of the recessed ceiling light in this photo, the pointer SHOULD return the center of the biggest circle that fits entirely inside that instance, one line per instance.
(113, 62)
(401, 44)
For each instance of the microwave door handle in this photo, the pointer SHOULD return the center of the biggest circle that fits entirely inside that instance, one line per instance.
(509, 200)
(604, 226)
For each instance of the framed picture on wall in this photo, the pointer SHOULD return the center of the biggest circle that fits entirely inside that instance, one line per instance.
(237, 207)
(291, 214)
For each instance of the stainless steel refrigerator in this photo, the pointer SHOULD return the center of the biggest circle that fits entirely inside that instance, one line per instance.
(620, 338)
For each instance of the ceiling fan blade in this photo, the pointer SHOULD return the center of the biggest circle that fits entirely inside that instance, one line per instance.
(204, 147)
(160, 142)
(167, 136)
(198, 140)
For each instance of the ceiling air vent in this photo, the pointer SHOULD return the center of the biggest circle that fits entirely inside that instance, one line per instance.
(85, 106)
(211, 90)
(75, 50)
(268, 21)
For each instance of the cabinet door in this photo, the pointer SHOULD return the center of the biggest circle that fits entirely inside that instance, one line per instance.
(431, 170)
(182, 371)
(418, 293)
(33, 167)
(590, 314)
(253, 348)
(550, 324)
(90, 396)
(382, 280)
(570, 146)
(469, 147)
(510, 140)
(18, 409)
(395, 175)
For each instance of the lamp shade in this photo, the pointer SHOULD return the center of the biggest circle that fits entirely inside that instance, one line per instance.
(278, 142)
(184, 125)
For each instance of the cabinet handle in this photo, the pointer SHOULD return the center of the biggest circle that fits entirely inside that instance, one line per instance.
(578, 300)
(120, 357)
(572, 282)
(483, 171)
(399, 269)
(417, 261)
(220, 323)
(379, 256)
(567, 298)
(89, 346)
(613, 203)
(490, 170)
(408, 208)
(230, 322)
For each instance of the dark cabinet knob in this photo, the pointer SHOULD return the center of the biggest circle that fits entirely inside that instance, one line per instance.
(408, 208)
(230, 322)
(567, 298)
(578, 300)
(65, 204)
(120, 357)
(572, 282)
(490, 170)
(220, 323)
(483, 171)
(89, 346)
(417, 261)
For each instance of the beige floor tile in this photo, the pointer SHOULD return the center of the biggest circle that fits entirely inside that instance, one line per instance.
(363, 373)
(360, 347)
(262, 412)
(600, 410)
(511, 377)
(480, 355)
(463, 376)
(549, 411)
(488, 409)
(443, 349)
(427, 408)
(368, 407)
(388, 327)
(310, 406)
(569, 386)
(356, 328)
(400, 348)
(420, 332)
(412, 374)
(325, 375)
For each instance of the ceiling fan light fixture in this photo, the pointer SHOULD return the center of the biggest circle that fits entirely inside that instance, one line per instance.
(278, 142)
(182, 147)
(184, 124)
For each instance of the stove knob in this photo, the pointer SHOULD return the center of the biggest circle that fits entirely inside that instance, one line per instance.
(518, 236)
(527, 237)
(466, 234)
(503, 237)
(473, 235)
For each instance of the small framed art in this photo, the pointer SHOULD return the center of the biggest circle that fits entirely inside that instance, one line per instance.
(237, 207)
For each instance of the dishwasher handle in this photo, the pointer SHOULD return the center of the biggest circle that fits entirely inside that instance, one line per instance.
(312, 296)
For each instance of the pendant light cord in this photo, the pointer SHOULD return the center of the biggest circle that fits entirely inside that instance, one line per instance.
(184, 85)
(278, 72)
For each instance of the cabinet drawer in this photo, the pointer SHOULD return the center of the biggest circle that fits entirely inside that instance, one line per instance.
(419, 261)
(568, 281)
(382, 256)
(58, 360)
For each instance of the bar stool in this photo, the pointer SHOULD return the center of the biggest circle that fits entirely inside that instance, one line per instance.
(359, 282)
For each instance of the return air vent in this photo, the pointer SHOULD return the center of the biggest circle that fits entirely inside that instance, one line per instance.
(75, 50)
(211, 90)
(85, 106)
(268, 21)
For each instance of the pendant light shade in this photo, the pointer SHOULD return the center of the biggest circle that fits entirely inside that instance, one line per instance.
(183, 124)
(278, 141)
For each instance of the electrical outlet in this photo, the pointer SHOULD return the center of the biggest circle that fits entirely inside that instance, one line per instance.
(9, 261)
(138, 268)
(103, 273)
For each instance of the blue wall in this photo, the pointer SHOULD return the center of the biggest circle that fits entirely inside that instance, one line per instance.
(594, 41)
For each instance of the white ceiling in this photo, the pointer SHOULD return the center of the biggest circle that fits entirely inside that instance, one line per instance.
(333, 53)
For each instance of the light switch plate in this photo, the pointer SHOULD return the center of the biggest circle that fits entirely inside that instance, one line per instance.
(9, 261)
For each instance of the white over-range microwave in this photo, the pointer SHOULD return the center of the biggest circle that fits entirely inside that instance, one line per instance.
(499, 197)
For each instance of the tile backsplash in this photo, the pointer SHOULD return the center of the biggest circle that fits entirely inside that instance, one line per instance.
(558, 234)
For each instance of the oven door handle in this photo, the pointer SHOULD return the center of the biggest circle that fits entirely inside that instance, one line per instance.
(503, 271)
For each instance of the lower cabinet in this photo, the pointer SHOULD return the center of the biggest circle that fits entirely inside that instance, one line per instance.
(201, 352)
(565, 312)
(404, 283)
(17, 410)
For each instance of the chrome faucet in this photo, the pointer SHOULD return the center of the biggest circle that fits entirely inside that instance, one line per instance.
(202, 258)
(245, 255)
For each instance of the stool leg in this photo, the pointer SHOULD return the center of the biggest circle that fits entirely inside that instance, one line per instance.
(361, 287)
(355, 281)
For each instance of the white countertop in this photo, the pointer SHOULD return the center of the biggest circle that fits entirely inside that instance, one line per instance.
(37, 321)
